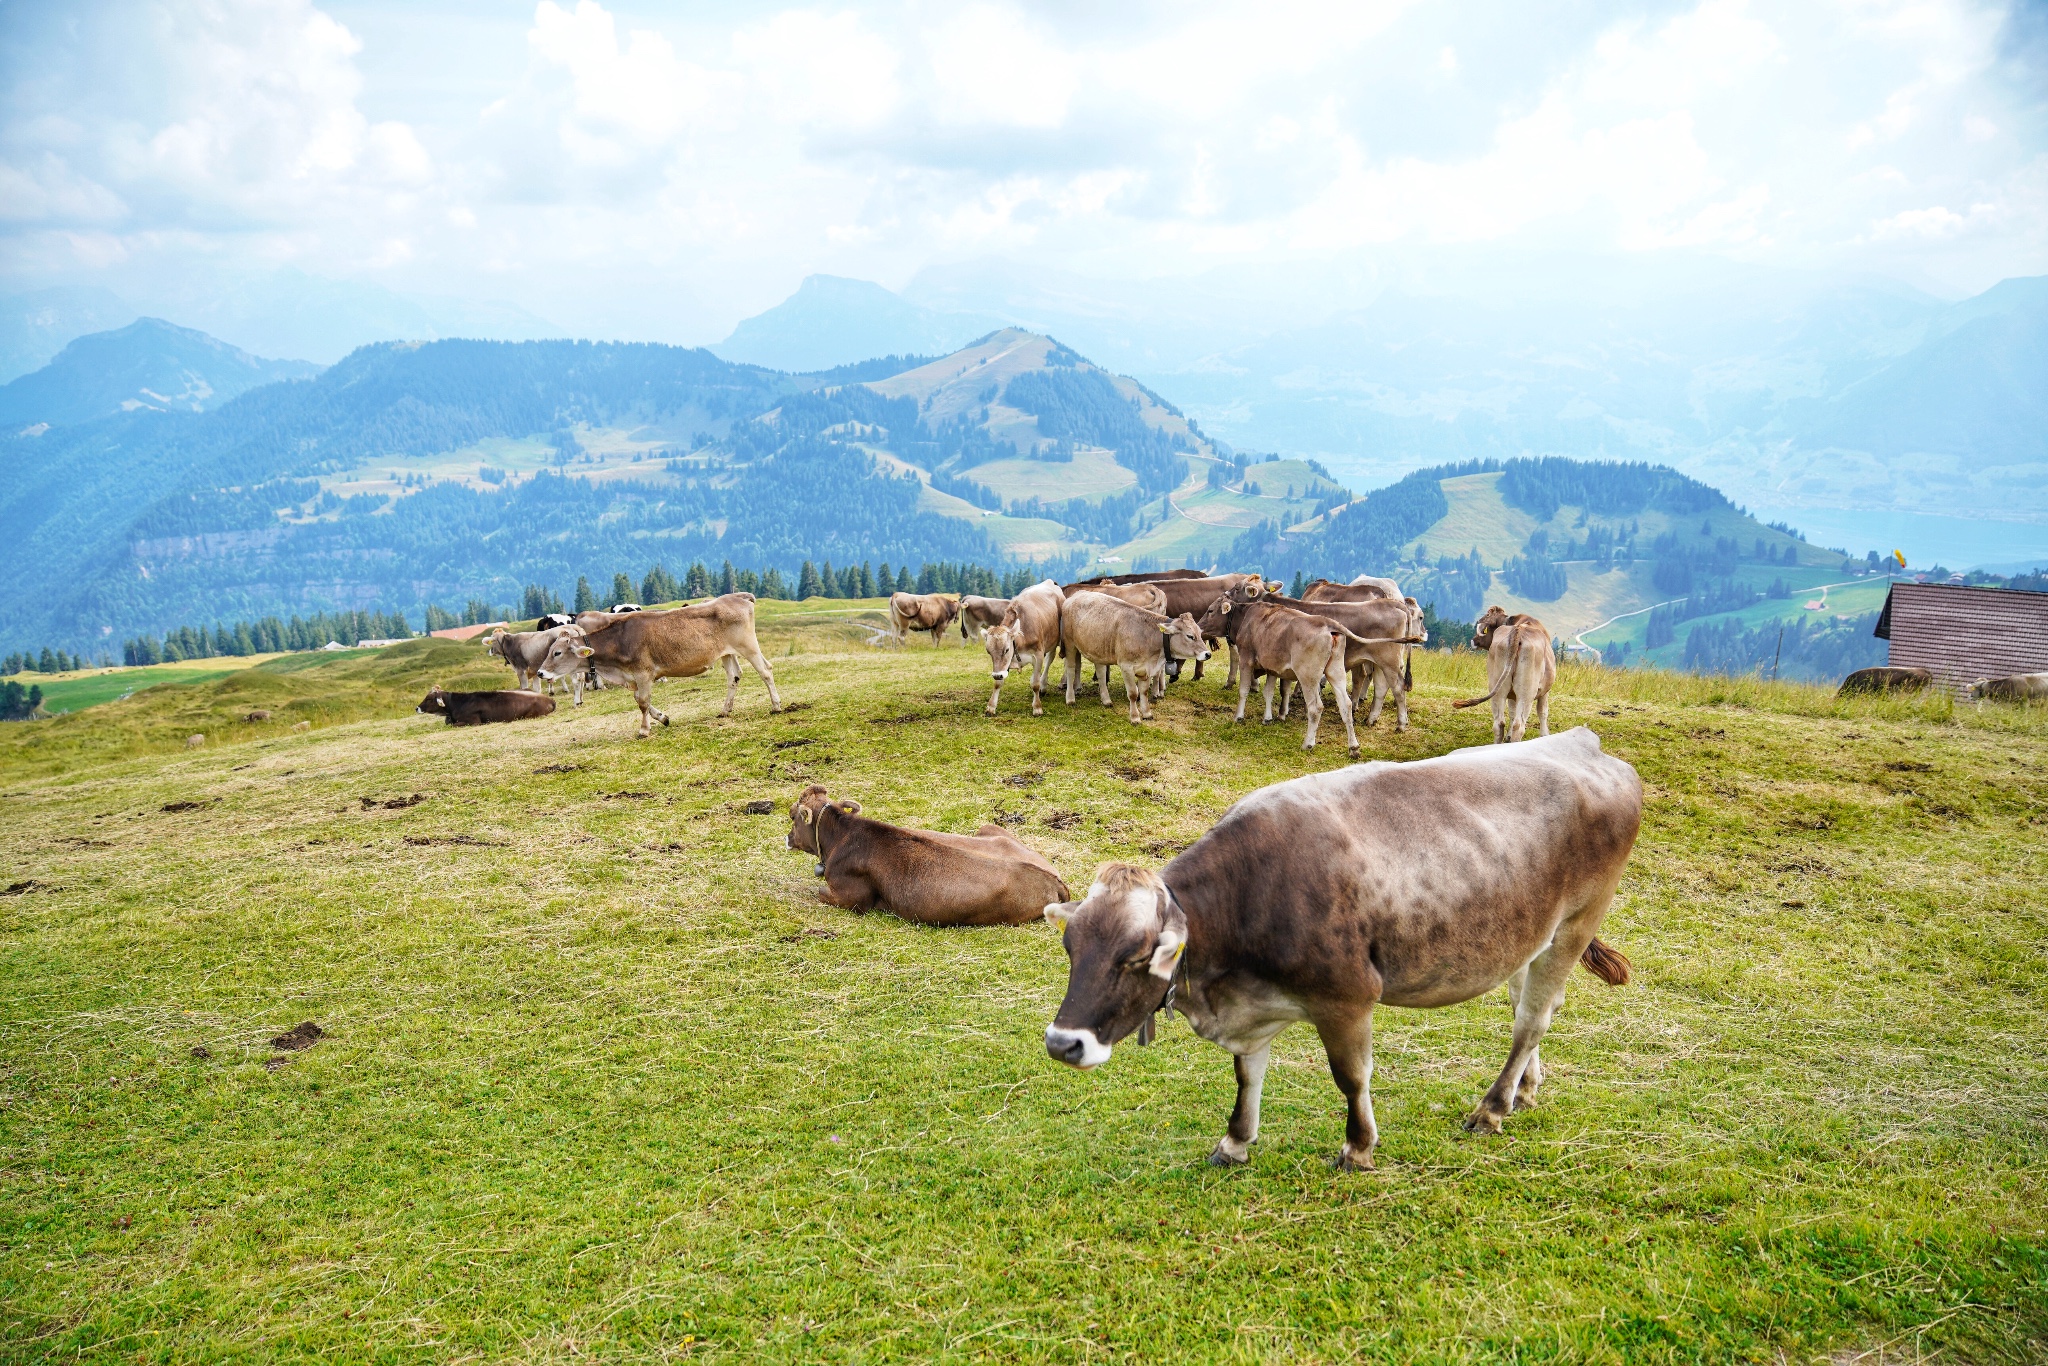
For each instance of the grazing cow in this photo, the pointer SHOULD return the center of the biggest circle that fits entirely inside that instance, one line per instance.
(1386, 586)
(524, 651)
(1885, 680)
(1366, 588)
(260, 714)
(1108, 631)
(1029, 630)
(1419, 884)
(1389, 629)
(1520, 669)
(977, 614)
(1276, 643)
(547, 621)
(484, 708)
(932, 612)
(681, 642)
(2012, 688)
(986, 878)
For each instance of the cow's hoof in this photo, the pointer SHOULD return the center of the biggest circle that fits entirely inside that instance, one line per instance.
(1222, 1156)
(1353, 751)
(1350, 1159)
(1482, 1121)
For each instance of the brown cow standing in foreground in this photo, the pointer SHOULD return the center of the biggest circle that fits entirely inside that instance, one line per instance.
(1520, 669)
(1107, 631)
(1029, 630)
(682, 642)
(932, 612)
(1276, 644)
(977, 614)
(484, 708)
(987, 878)
(1420, 884)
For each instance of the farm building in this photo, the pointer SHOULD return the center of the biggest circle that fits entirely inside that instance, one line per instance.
(1961, 634)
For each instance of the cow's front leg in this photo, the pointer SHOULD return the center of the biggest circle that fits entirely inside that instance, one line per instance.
(1244, 693)
(1072, 675)
(1102, 681)
(1500, 703)
(848, 891)
(995, 697)
(1039, 668)
(1312, 705)
(1347, 1043)
(1266, 692)
(732, 683)
(1234, 1148)
(1337, 681)
(1543, 710)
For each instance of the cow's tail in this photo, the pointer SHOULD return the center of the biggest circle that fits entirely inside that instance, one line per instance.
(1606, 962)
(1408, 671)
(1514, 639)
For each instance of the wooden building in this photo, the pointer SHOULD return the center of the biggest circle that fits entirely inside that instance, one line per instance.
(1961, 633)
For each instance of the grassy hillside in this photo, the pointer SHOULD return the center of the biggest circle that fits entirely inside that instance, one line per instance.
(601, 1080)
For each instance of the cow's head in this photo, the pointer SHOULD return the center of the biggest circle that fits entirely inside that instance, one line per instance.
(1482, 630)
(1001, 644)
(1981, 689)
(494, 643)
(1124, 940)
(1216, 623)
(435, 703)
(566, 654)
(1184, 638)
(803, 817)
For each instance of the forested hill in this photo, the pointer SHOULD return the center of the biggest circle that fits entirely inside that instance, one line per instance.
(443, 472)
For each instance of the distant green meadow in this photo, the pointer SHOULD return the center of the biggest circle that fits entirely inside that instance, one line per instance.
(600, 1080)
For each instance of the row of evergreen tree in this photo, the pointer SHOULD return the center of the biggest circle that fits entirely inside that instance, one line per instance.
(49, 661)
(268, 635)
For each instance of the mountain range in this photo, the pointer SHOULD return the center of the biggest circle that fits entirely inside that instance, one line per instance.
(448, 472)
(148, 365)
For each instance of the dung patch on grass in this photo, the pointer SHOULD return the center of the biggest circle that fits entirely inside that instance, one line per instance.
(559, 768)
(392, 804)
(24, 887)
(304, 1034)
(762, 806)
(188, 806)
(1062, 820)
(471, 841)
(812, 933)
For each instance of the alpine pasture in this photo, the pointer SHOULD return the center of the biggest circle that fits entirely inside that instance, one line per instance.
(599, 1079)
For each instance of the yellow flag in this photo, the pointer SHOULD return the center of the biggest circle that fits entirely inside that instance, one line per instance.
(1900, 556)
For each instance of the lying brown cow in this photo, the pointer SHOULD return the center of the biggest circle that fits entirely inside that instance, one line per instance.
(1029, 631)
(1420, 884)
(977, 614)
(682, 642)
(932, 612)
(1520, 669)
(2012, 688)
(1278, 644)
(1107, 631)
(1885, 680)
(987, 878)
(484, 708)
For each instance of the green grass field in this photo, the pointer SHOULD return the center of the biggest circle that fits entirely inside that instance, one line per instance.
(69, 692)
(602, 1081)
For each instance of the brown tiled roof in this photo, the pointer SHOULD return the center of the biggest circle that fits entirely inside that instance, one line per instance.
(1962, 633)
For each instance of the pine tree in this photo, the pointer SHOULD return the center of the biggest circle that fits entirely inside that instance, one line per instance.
(46, 663)
(622, 590)
(807, 583)
(773, 585)
(245, 644)
(1300, 583)
(885, 581)
(728, 581)
(586, 600)
(867, 582)
(828, 582)
(750, 582)
(927, 579)
(697, 583)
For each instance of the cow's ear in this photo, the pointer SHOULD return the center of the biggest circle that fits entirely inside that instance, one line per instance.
(1226, 607)
(1165, 628)
(850, 808)
(1059, 913)
(1166, 955)
(584, 651)
(804, 812)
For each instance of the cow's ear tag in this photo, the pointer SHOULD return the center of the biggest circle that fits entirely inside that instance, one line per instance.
(1059, 912)
(850, 808)
(1165, 628)
(585, 651)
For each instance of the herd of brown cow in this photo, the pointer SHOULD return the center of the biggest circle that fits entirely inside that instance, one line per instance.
(1241, 934)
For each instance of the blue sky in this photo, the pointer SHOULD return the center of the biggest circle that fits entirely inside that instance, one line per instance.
(660, 171)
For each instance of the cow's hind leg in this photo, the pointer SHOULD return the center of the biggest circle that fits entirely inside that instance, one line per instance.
(1233, 1149)
(1541, 993)
(732, 682)
(1532, 1075)
(1347, 1043)
(1543, 710)
(760, 663)
(643, 693)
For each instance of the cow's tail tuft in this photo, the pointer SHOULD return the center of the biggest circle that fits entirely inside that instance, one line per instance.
(1407, 671)
(1607, 963)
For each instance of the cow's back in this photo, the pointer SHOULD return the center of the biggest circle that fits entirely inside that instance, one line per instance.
(1422, 871)
(1035, 614)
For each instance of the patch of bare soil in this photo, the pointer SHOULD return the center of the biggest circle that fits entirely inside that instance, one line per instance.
(812, 933)
(188, 806)
(471, 840)
(763, 806)
(560, 768)
(909, 718)
(1135, 772)
(394, 804)
(624, 796)
(25, 886)
(1010, 818)
(794, 744)
(302, 1035)
(1062, 820)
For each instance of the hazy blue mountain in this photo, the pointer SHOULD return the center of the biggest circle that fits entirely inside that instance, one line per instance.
(149, 364)
(831, 321)
(35, 326)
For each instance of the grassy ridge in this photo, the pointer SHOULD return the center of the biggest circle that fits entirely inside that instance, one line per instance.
(603, 1081)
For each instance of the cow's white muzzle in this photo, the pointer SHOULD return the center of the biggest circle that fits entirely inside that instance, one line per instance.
(1076, 1047)
(1000, 674)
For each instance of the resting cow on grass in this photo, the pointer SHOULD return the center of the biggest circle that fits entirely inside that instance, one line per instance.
(1420, 884)
(923, 875)
(639, 647)
(1028, 632)
(1106, 631)
(1520, 669)
(2012, 688)
(1885, 680)
(484, 708)
(932, 612)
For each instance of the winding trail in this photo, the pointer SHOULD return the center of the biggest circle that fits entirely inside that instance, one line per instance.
(1579, 639)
